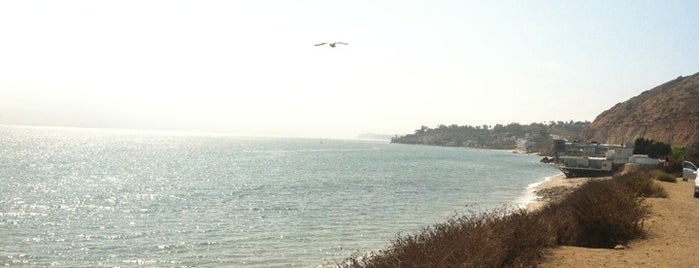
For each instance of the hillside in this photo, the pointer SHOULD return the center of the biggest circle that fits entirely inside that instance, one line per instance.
(668, 113)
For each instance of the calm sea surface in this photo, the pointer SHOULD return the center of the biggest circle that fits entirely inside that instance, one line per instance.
(104, 198)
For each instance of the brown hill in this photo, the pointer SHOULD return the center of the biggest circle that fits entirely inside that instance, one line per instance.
(668, 113)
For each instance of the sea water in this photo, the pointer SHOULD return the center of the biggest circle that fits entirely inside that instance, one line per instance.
(106, 198)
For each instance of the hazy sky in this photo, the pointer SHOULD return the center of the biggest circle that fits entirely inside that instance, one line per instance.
(250, 68)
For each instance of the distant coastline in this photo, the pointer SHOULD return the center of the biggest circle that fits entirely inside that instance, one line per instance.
(374, 136)
(534, 137)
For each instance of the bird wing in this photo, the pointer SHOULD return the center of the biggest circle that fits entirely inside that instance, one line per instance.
(342, 43)
(320, 44)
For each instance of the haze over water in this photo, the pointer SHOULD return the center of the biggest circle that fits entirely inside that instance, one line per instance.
(81, 197)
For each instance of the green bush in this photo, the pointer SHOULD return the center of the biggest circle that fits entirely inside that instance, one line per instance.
(680, 154)
(651, 148)
(662, 176)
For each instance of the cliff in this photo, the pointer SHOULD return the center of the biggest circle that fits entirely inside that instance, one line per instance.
(668, 113)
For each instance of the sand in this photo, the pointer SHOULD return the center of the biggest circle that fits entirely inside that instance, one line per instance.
(554, 189)
(673, 232)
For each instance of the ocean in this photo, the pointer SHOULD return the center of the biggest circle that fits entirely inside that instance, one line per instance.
(110, 198)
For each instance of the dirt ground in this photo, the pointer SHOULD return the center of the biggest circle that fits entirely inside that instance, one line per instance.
(673, 233)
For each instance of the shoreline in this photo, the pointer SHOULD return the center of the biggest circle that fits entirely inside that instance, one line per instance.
(553, 189)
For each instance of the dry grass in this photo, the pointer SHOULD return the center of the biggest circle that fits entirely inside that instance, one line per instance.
(600, 214)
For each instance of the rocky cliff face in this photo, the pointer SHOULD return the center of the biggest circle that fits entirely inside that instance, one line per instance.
(668, 113)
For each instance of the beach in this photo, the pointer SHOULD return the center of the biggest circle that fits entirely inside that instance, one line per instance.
(672, 229)
(553, 189)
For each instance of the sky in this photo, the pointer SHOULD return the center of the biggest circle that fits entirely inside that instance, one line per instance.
(250, 68)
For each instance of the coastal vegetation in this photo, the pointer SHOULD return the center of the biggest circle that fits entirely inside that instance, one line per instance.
(494, 137)
(586, 217)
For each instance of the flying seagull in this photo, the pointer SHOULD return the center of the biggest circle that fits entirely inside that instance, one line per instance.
(331, 44)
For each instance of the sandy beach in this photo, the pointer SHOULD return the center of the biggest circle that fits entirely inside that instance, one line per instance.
(672, 231)
(553, 189)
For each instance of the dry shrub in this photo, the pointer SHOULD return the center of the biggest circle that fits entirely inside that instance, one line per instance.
(604, 214)
(503, 238)
(600, 214)
(641, 183)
